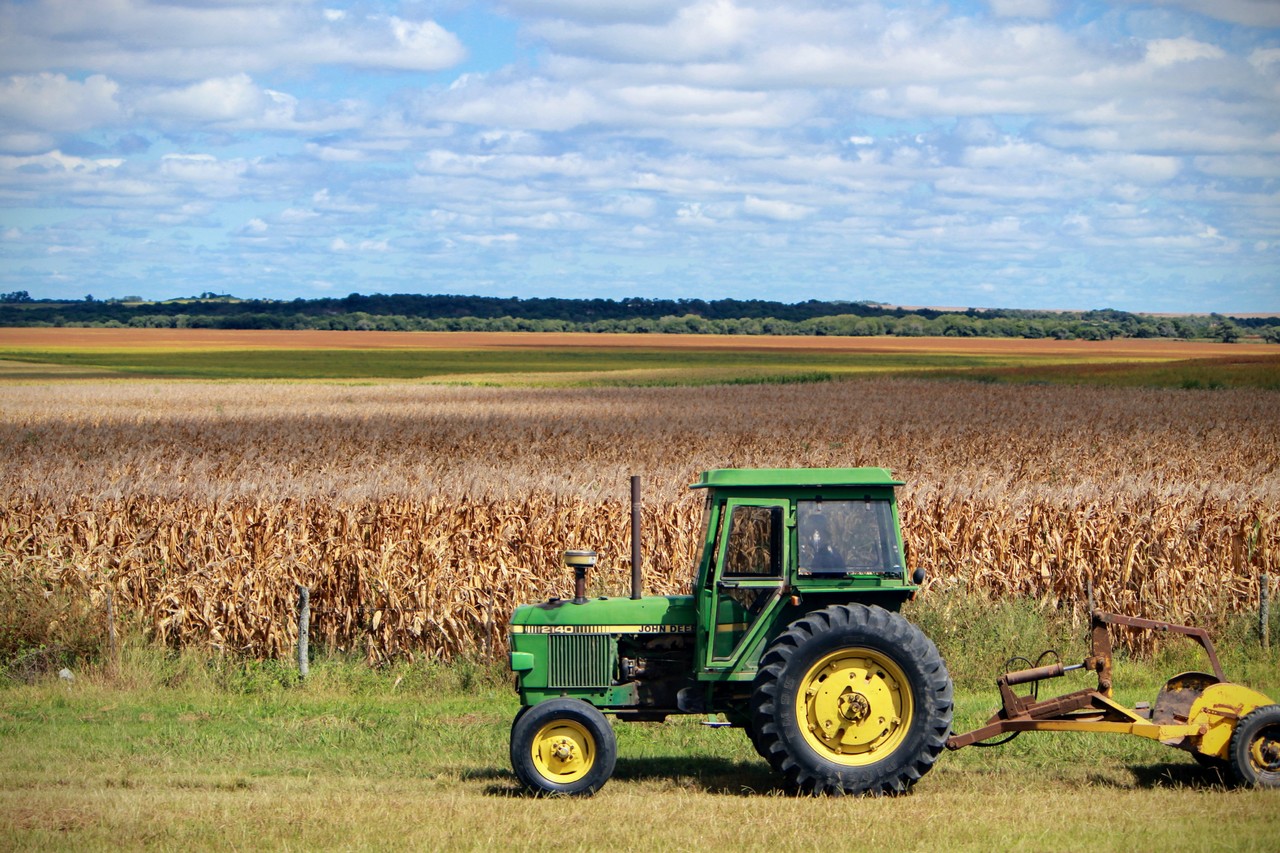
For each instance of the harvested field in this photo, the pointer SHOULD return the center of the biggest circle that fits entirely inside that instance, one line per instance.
(421, 514)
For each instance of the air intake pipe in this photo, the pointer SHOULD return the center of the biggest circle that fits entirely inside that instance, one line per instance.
(579, 561)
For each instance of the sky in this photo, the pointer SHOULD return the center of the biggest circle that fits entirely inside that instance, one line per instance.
(979, 153)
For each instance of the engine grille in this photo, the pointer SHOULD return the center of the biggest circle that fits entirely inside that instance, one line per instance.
(580, 660)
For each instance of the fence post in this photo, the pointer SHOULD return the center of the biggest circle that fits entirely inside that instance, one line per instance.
(113, 646)
(304, 628)
(1264, 611)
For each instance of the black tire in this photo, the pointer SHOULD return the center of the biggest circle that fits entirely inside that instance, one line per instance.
(1254, 752)
(755, 741)
(563, 746)
(877, 706)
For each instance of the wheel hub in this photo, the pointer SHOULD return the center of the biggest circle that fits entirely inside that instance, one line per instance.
(1265, 752)
(854, 706)
(562, 749)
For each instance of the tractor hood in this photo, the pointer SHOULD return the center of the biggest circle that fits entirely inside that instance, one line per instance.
(670, 614)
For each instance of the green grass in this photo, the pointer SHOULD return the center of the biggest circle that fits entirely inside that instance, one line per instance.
(578, 365)
(629, 367)
(196, 750)
(1261, 372)
(331, 765)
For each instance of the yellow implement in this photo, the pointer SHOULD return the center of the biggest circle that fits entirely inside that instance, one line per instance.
(1203, 713)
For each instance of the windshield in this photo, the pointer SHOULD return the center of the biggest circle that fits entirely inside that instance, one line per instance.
(847, 537)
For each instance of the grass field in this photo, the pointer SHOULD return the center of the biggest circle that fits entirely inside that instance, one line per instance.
(211, 754)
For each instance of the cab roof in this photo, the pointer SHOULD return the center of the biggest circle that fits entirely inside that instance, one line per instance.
(748, 478)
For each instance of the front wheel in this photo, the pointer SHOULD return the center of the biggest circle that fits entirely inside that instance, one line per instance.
(850, 700)
(563, 746)
(1254, 752)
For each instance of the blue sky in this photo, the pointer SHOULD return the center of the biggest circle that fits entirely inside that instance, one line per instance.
(1010, 153)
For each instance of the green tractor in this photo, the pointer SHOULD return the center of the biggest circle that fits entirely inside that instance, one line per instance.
(792, 633)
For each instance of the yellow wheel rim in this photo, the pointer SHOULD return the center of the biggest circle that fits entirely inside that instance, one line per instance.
(854, 706)
(1264, 750)
(563, 751)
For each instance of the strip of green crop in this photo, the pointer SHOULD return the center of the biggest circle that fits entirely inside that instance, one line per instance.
(590, 365)
(633, 367)
(1260, 372)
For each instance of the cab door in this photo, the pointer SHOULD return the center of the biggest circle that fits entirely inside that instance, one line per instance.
(745, 579)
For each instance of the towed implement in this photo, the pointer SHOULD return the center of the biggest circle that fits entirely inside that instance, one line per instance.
(1220, 723)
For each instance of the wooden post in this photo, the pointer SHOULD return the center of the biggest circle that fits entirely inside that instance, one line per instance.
(1264, 611)
(304, 627)
(113, 645)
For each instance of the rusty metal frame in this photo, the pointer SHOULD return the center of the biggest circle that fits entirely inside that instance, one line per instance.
(1090, 710)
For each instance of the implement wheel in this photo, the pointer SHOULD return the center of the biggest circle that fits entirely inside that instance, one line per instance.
(1254, 752)
(562, 746)
(851, 700)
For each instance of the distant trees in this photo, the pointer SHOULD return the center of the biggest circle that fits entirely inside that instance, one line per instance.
(418, 312)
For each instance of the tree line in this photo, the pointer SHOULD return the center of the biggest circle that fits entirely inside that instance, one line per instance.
(444, 312)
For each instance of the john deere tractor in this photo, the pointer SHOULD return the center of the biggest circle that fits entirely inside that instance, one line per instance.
(792, 633)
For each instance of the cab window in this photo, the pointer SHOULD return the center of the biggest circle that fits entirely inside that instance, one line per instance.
(751, 549)
(846, 537)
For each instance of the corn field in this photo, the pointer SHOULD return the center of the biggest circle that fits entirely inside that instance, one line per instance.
(419, 515)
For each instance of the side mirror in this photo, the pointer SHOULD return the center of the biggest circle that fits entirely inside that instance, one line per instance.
(918, 576)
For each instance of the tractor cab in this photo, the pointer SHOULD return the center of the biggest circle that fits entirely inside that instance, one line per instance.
(779, 541)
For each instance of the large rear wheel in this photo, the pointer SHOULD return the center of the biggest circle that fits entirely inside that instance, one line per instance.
(1254, 752)
(852, 699)
(563, 746)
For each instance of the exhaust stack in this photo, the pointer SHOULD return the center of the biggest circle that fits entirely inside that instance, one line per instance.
(635, 538)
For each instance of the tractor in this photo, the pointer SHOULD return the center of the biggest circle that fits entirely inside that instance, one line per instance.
(792, 632)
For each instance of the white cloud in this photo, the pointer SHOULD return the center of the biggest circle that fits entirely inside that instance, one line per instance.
(338, 244)
(630, 206)
(223, 99)
(1252, 13)
(1240, 166)
(142, 39)
(1024, 8)
(699, 31)
(1165, 52)
(48, 101)
(532, 104)
(776, 209)
(205, 173)
(56, 161)
(26, 143)
(593, 11)
(1264, 58)
(490, 240)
